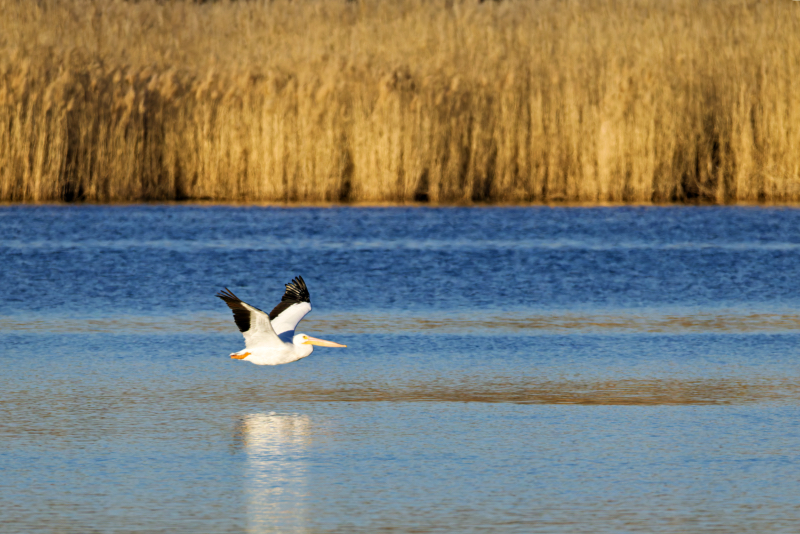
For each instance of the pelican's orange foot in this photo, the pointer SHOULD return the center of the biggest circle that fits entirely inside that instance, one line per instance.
(236, 356)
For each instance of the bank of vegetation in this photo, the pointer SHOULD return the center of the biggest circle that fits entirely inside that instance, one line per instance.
(447, 101)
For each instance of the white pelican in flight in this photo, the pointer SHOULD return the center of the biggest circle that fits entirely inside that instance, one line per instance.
(270, 339)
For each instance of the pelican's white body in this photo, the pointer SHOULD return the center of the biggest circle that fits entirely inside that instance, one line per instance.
(274, 342)
(277, 353)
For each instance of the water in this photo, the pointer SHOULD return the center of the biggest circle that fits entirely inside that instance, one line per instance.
(508, 370)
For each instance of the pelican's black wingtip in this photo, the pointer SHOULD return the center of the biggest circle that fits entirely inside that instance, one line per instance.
(241, 315)
(297, 291)
(227, 295)
(300, 283)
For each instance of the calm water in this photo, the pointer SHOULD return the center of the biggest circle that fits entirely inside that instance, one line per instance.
(508, 370)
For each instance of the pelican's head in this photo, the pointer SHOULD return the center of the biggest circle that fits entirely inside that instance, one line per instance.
(304, 341)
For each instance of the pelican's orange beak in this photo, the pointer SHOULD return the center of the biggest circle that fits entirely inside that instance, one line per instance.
(321, 342)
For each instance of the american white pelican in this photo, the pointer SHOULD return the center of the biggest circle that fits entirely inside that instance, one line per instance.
(270, 339)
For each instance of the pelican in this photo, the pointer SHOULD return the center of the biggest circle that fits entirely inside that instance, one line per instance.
(270, 339)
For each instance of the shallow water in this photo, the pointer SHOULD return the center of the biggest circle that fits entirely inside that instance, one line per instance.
(507, 370)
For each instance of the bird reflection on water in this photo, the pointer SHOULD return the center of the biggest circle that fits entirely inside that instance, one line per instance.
(275, 473)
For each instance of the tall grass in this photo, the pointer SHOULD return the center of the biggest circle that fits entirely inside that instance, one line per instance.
(400, 100)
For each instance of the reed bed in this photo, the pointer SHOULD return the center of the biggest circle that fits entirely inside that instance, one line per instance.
(399, 101)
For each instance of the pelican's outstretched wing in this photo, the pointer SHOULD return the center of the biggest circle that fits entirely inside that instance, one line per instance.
(252, 322)
(294, 305)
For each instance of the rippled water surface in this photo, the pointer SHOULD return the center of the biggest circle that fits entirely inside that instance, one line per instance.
(507, 370)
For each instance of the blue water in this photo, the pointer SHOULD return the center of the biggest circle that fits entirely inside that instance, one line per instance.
(507, 370)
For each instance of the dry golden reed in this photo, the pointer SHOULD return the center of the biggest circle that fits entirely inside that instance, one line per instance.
(449, 101)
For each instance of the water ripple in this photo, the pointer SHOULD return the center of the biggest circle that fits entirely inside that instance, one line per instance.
(385, 323)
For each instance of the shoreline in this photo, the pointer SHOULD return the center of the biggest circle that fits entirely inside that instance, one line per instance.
(333, 205)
